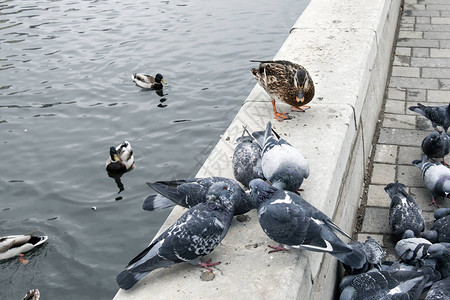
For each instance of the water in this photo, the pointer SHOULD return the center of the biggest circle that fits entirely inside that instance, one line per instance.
(66, 96)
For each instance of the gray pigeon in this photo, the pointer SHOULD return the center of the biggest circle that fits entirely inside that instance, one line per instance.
(404, 213)
(376, 285)
(196, 233)
(441, 255)
(283, 165)
(436, 145)
(192, 191)
(439, 232)
(436, 177)
(439, 290)
(247, 158)
(373, 252)
(290, 220)
(425, 267)
(438, 115)
(412, 250)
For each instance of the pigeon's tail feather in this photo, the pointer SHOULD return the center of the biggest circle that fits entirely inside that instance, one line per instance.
(419, 163)
(153, 202)
(126, 279)
(393, 189)
(420, 109)
(169, 190)
(354, 259)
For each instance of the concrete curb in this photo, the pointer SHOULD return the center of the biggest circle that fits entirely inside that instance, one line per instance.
(346, 46)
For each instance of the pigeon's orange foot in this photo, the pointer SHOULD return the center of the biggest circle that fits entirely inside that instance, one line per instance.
(434, 202)
(301, 108)
(208, 264)
(278, 248)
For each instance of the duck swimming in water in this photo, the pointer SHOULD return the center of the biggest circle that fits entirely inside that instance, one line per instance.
(148, 82)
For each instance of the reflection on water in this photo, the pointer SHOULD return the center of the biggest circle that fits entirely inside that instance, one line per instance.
(66, 96)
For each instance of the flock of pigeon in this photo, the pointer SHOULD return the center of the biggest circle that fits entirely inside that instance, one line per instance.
(272, 172)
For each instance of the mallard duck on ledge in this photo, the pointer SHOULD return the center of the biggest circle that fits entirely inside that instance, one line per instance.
(148, 82)
(120, 159)
(15, 245)
(285, 81)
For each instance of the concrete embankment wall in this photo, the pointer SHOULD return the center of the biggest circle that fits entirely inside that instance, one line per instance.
(346, 46)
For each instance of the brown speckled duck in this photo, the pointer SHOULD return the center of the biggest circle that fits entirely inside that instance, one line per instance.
(285, 81)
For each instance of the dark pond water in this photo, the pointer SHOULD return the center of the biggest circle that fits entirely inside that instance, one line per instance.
(66, 96)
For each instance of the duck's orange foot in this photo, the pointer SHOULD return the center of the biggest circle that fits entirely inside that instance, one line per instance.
(281, 116)
(300, 108)
(23, 260)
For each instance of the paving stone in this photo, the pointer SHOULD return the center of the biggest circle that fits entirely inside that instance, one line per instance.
(405, 42)
(394, 93)
(401, 60)
(407, 154)
(403, 51)
(438, 96)
(377, 196)
(376, 220)
(410, 34)
(385, 154)
(444, 44)
(399, 121)
(430, 62)
(422, 196)
(421, 83)
(424, 124)
(436, 72)
(444, 84)
(414, 7)
(417, 95)
(421, 52)
(408, 20)
(421, 13)
(404, 26)
(405, 71)
(423, 20)
(436, 20)
(436, 35)
(383, 173)
(394, 106)
(427, 27)
(410, 176)
(437, 7)
(401, 137)
(440, 53)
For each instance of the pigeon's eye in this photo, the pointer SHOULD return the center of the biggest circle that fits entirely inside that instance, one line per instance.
(224, 188)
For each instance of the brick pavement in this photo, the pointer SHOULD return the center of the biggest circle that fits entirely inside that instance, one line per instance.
(420, 73)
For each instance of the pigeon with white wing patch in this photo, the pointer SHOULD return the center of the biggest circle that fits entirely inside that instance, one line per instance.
(290, 220)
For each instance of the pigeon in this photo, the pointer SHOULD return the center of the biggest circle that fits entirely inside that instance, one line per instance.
(288, 219)
(438, 115)
(196, 233)
(439, 290)
(376, 285)
(441, 255)
(373, 252)
(120, 159)
(436, 145)
(247, 158)
(436, 177)
(404, 213)
(424, 267)
(411, 250)
(439, 232)
(283, 165)
(192, 191)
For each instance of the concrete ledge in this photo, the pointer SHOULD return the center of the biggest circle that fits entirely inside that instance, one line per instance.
(346, 46)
